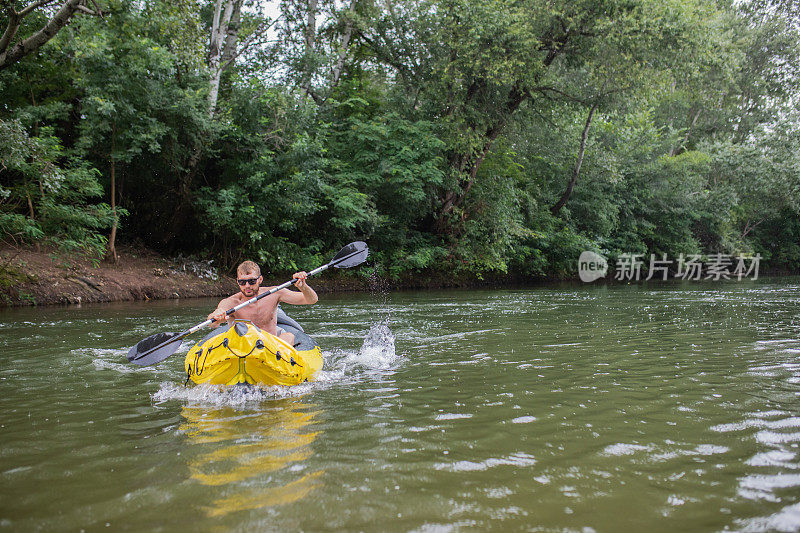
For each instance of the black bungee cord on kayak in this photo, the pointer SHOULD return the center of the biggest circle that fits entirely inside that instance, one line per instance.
(259, 345)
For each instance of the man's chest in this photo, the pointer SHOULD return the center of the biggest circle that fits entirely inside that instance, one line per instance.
(263, 310)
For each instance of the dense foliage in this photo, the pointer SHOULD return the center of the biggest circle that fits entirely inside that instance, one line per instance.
(459, 137)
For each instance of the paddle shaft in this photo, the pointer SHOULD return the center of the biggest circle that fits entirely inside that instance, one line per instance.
(246, 303)
(255, 299)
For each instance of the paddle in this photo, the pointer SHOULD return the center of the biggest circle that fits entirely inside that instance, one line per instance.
(158, 347)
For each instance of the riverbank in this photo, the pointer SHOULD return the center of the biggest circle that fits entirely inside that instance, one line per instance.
(51, 277)
(31, 276)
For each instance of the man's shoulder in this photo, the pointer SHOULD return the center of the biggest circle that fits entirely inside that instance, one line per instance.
(232, 299)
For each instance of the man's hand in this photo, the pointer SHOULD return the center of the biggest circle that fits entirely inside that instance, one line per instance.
(301, 279)
(306, 296)
(218, 315)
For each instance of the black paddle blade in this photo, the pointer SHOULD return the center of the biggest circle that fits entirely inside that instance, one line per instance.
(150, 351)
(351, 255)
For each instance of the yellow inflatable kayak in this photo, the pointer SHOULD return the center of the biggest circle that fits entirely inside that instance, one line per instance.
(243, 353)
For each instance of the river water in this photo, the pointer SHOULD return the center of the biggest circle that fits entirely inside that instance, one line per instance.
(656, 407)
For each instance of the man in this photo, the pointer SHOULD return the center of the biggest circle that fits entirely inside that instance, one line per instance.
(264, 312)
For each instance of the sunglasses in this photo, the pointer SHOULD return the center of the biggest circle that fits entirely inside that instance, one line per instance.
(249, 281)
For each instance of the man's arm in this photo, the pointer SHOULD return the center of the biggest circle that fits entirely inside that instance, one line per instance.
(306, 296)
(218, 315)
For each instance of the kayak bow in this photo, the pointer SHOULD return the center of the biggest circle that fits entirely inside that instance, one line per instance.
(242, 353)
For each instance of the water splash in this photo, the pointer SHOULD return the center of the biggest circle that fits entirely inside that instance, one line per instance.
(210, 395)
(377, 350)
(222, 395)
(379, 289)
(377, 353)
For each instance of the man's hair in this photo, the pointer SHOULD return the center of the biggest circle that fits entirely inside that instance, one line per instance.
(248, 267)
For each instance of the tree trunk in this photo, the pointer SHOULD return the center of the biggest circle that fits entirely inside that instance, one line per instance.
(577, 170)
(10, 55)
(31, 213)
(232, 34)
(310, 37)
(220, 27)
(11, 30)
(750, 227)
(221, 51)
(348, 34)
(674, 150)
(224, 24)
(111, 254)
(469, 164)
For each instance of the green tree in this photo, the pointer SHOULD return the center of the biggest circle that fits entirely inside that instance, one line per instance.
(127, 90)
(37, 27)
(46, 196)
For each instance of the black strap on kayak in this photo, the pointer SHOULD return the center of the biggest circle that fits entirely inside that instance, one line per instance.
(198, 367)
(292, 362)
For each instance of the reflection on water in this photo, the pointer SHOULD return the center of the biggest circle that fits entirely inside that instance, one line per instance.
(256, 457)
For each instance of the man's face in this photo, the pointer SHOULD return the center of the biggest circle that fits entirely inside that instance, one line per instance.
(249, 283)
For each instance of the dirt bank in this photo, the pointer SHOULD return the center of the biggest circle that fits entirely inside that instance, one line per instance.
(44, 277)
(50, 277)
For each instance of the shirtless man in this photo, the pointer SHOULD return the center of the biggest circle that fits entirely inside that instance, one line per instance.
(263, 313)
